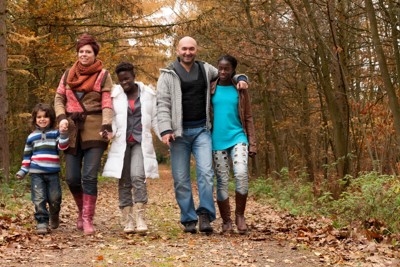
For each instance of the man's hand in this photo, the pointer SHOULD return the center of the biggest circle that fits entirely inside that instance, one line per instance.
(166, 139)
(242, 85)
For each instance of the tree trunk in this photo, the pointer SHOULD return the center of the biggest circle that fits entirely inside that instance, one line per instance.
(305, 123)
(387, 83)
(4, 149)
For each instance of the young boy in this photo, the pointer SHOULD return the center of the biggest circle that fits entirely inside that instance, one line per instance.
(131, 157)
(42, 162)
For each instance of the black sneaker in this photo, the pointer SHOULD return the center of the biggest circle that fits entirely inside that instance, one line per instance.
(190, 227)
(54, 221)
(204, 223)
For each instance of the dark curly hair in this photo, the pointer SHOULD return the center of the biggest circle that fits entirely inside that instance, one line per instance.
(49, 111)
(87, 39)
(125, 66)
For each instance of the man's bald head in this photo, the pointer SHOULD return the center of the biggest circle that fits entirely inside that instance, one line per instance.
(187, 40)
(187, 51)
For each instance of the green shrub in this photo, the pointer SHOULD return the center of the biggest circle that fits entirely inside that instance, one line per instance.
(292, 194)
(14, 194)
(371, 196)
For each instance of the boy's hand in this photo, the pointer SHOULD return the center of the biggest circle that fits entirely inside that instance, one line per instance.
(106, 135)
(19, 177)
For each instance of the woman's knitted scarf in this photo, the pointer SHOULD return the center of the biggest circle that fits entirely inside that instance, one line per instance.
(81, 78)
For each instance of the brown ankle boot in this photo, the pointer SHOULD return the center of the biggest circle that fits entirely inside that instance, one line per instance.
(78, 197)
(240, 207)
(89, 206)
(225, 211)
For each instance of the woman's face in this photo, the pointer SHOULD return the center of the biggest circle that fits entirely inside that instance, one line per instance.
(225, 70)
(86, 55)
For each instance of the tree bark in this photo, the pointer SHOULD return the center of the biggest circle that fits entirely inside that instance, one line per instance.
(4, 149)
(387, 83)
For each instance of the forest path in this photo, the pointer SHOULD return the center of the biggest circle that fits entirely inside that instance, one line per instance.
(275, 239)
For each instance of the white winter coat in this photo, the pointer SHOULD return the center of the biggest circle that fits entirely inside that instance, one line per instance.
(115, 158)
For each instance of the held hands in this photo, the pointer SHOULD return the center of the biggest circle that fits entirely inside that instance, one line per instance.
(63, 126)
(106, 135)
(166, 139)
(242, 85)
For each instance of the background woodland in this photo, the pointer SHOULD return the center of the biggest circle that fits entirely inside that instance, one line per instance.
(324, 74)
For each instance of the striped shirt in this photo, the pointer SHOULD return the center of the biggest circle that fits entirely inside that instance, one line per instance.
(41, 152)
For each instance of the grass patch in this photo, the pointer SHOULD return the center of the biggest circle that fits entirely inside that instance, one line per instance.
(371, 196)
(291, 194)
(14, 195)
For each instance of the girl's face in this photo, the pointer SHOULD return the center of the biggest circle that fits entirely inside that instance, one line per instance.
(225, 70)
(86, 55)
(126, 80)
(42, 120)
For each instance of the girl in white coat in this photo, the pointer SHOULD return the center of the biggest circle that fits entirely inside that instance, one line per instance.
(131, 157)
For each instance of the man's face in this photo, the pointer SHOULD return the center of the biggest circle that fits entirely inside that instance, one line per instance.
(186, 51)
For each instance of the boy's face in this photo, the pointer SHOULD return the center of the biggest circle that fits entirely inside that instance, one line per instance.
(42, 120)
(126, 80)
(225, 70)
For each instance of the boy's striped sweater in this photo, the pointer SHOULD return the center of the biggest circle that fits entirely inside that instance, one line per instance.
(41, 152)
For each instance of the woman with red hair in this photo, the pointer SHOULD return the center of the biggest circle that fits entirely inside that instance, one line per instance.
(83, 103)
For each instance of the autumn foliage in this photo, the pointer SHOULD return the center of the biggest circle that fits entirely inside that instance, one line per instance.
(324, 75)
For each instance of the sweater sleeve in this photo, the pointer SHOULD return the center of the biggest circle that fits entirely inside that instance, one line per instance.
(164, 104)
(63, 141)
(154, 121)
(26, 161)
(106, 104)
(60, 100)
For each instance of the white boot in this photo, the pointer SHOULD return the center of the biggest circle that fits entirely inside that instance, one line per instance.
(127, 220)
(140, 213)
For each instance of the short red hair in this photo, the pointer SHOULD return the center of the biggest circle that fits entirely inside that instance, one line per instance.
(87, 39)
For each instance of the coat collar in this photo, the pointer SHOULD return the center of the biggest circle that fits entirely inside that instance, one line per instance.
(117, 89)
(215, 83)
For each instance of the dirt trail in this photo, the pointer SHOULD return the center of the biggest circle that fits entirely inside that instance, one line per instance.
(165, 244)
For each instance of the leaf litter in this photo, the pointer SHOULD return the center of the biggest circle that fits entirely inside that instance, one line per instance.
(275, 238)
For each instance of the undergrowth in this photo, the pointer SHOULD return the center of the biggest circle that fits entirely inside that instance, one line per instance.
(14, 195)
(371, 196)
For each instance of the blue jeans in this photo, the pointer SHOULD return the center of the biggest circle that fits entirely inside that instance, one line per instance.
(82, 170)
(239, 156)
(198, 142)
(133, 177)
(45, 188)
